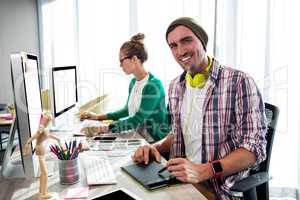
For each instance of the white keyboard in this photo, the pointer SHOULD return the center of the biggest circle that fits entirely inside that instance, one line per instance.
(99, 172)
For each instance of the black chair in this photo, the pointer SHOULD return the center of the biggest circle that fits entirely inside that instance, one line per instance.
(256, 186)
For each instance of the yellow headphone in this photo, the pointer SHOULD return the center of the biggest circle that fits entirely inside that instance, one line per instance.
(199, 79)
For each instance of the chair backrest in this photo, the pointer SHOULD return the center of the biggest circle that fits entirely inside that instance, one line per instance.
(272, 112)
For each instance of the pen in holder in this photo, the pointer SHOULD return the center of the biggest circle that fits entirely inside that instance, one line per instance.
(68, 161)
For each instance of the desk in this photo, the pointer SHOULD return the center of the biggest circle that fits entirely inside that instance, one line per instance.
(4, 133)
(27, 189)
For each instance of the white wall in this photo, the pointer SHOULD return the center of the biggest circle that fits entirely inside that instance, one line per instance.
(18, 32)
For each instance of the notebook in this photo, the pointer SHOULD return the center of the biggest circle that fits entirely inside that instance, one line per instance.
(77, 193)
(148, 175)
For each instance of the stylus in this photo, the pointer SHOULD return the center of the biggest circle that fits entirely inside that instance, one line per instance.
(161, 170)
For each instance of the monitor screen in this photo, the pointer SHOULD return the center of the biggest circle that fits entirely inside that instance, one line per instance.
(64, 89)
(33, 94)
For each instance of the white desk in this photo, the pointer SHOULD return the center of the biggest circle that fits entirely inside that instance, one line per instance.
(27, 189)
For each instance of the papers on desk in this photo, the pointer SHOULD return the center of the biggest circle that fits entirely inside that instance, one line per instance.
(77, 193)
(117, 153)
(116, 148)
(104, 154)
(90, 123)
(90, 154)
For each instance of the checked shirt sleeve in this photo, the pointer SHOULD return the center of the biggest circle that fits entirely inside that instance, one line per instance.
(251, 120)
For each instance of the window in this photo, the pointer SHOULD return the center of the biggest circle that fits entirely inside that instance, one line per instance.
(101, 33)
(260, 38)
(58, 34)
(154, 26)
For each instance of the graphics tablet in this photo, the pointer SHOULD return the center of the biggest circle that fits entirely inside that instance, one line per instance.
(148, 175)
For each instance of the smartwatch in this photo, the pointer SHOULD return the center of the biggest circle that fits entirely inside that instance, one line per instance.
(217, 168)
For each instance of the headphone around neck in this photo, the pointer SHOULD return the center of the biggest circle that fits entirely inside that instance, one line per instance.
(199, 80)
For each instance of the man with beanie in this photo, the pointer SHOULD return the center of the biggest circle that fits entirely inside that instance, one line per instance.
(217, 116)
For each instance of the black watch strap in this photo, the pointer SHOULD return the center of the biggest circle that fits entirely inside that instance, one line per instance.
(217, 168)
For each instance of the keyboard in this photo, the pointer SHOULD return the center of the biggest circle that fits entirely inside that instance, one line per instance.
(99, 172)
(116, 145)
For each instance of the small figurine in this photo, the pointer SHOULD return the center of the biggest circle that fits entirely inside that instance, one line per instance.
(41, 135)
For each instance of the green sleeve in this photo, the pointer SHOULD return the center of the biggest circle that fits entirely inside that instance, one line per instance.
(124, 111)
(151, 96)
(118, 114)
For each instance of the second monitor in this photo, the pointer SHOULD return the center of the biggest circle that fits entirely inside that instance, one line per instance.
(63, 95)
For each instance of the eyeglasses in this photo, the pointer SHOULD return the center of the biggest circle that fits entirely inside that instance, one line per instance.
(122, 59)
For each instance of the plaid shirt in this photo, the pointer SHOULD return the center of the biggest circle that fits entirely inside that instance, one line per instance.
(233, 117)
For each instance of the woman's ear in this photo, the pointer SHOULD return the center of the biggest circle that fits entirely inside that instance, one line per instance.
(135, 59)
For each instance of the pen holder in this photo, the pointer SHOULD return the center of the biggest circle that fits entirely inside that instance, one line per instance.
(68, 171)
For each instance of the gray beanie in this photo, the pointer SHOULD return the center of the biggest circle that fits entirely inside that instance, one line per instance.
(193, 26)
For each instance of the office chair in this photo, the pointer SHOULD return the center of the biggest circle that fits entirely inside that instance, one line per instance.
(256, 186)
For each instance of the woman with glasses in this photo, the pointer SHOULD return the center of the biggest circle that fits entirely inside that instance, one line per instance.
(145, 108)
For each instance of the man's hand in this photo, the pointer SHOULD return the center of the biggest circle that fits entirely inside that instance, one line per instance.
(189, 172)
(144, 153)
(88, 115)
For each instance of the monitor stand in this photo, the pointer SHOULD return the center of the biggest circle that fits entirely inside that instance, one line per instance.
(65, 122)
(14, 168)
(10, 169)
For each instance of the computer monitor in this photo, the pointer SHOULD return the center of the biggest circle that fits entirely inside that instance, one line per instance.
(63, 96)
(28, 106)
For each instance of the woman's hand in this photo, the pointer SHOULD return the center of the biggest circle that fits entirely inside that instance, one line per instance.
(189, 172)
(88, 115)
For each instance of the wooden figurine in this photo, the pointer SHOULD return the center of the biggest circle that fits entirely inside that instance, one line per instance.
(42, 135)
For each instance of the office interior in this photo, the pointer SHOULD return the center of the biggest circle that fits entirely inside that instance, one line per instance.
(258, 37)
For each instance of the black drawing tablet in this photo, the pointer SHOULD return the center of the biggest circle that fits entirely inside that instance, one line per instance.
(148, 175)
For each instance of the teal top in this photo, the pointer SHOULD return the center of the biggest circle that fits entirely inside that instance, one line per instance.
(152, 113)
